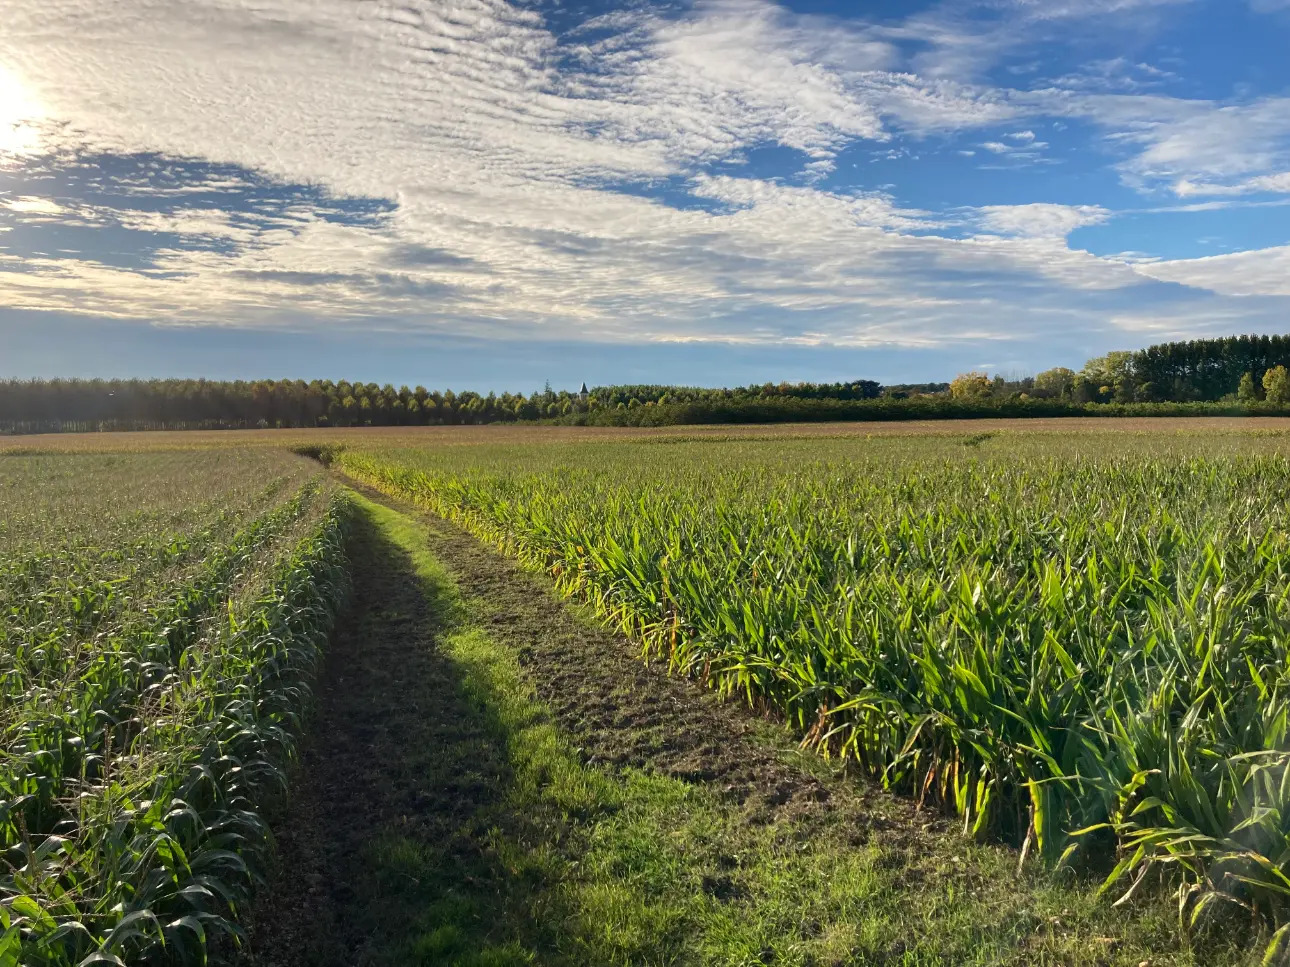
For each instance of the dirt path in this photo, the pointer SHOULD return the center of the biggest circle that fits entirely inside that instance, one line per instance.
(625, 713)
(396, 743)
(582, 808)
(388, 705)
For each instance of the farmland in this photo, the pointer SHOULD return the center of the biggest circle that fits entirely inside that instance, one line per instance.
(158, 619)
(474, 436)
(1031, 672)
(1070, 647)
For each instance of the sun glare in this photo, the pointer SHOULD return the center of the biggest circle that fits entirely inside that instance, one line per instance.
(18, 114)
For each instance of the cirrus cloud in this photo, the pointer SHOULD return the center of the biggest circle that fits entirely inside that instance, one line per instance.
(475, 165)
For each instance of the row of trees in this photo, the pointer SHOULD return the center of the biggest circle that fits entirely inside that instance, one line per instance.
(1102, 380)
(861, 389)
(37, 405)
(1207, 369)
(31, 406)
(1238, 370)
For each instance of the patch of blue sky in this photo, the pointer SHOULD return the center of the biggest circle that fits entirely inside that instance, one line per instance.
(1019, 163)
(101, 242)
(1224, 48)
(156, 183)
(56, 345)
(1179, 233)
(674, 191)
(512, 140)
(878, 11)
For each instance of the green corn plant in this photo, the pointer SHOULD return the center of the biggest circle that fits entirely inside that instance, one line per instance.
(1073, 644)
(149, 715)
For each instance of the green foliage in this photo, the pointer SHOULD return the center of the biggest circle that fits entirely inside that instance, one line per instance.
(1182, 379)
(970, 386)
(1207, 369)
(1075, 645)
(159, 617)
(1109, 369)
(586, 862)
(1276, 385)
(1246, 391)
(1058, 382)
(39, 406)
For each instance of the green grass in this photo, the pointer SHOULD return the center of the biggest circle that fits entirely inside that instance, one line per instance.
(580, 864)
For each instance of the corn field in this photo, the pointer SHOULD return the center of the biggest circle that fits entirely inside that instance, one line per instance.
(1074, 643)
(159, 618)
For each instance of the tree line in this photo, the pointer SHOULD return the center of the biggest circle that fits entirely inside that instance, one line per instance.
(35, 406)
(1236, 369)
(1236, 374)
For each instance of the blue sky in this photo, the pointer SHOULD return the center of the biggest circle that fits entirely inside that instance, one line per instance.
(486, 194)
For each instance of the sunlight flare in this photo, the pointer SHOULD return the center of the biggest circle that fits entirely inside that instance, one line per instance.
(19, 113)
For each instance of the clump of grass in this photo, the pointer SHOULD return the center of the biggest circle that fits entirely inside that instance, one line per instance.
(324, 453)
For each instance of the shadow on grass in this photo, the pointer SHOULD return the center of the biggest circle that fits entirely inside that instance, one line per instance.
(441, 818)
(399, 845)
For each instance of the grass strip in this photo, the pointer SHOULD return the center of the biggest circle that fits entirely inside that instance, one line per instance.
(549, 860)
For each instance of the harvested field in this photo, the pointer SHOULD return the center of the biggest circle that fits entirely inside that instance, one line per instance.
(435, 436)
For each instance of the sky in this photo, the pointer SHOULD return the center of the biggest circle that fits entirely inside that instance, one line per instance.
(487, 195)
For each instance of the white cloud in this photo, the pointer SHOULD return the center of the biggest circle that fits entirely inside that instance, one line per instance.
(1041, 220)
(28, 205)
(1263, 272)
(515, 161)
(1228, 142)
(778, 262)
(1020, 151)
(1187, 146)
(736, 72)
(960, 43)
(1116, 75)
(1276, 184)
(1208, 318)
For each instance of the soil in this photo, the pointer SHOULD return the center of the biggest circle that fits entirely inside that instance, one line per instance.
(388, 706)
(502, 433)
(625, 712)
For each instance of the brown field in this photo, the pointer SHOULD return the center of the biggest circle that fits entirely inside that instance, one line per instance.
(503, 433)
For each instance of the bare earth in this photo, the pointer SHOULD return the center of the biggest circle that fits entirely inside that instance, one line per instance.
(430, 436)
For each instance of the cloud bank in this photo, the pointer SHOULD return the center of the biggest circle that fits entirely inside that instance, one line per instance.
(503, 171)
